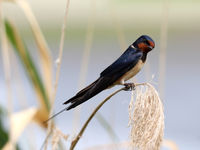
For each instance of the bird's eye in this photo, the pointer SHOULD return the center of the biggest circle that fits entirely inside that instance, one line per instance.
(147, 42)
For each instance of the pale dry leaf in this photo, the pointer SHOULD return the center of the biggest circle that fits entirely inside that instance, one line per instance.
(45, 58)
(44, 53)
(19, 121)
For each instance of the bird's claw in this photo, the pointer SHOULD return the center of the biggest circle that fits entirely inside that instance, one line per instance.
(129, 86)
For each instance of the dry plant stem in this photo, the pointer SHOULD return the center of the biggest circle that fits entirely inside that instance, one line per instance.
(163, 46)
(6, 59)
(45, 56)
(59, 60)
(6, 63)
(75, 141)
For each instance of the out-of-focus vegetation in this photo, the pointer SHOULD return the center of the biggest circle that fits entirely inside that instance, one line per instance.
(4, 135)
(40, 81)
(27, 61)
(3, 132)
(133, 16)
(114, 19)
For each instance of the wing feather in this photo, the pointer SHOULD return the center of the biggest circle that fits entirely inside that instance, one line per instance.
(124, 63)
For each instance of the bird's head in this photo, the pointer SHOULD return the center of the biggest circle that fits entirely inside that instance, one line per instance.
(144, 43)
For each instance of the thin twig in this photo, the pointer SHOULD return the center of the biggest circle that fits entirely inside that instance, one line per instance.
(59, 60)
(75, 141)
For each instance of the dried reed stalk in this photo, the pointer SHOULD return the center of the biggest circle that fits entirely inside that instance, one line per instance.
(85, 60)
(163, 46)
(7, 72)
(58, 61)
(146, 119)
(44, 53)
(75, 141)
(6, 59)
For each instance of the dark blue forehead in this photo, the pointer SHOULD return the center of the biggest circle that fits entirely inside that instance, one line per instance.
(146, 37)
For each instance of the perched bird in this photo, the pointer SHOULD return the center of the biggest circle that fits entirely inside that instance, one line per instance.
(124, 68)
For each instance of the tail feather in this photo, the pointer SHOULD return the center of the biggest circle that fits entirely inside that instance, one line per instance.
(87, 93)
(80, 93)
(76, 103)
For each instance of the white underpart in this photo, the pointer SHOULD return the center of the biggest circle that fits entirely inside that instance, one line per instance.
(130, 73)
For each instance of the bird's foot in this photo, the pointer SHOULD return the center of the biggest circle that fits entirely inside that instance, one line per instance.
(129, 86)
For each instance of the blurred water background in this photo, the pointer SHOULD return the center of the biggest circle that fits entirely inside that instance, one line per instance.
(113, 20)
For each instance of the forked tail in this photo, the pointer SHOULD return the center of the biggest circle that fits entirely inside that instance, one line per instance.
(84, 95)
(87, 93)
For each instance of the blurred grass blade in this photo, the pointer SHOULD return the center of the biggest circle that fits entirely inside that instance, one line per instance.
(3, 132)
(107, 127)
(45, 56)
(29, 66)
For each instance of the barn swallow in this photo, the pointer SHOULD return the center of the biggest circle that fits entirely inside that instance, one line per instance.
(124, 68)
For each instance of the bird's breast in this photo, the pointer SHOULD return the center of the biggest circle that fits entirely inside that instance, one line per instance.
(132, 72)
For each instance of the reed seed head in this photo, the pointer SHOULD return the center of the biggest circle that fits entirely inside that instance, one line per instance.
(146, 118)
